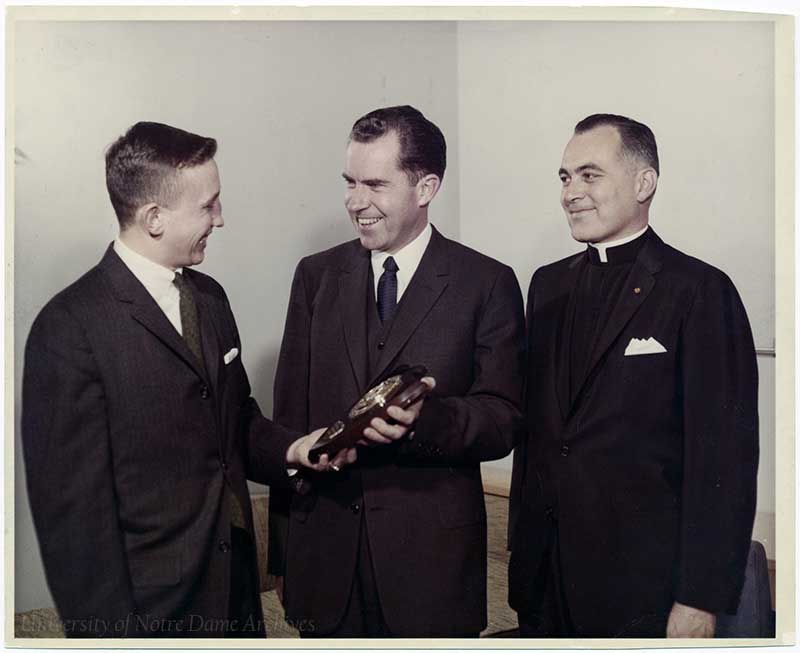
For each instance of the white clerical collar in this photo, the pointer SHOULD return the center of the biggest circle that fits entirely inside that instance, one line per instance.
(407, 260)
(154, 277)
(602, 248)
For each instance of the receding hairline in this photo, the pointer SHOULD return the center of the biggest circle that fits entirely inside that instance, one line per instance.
(634, 159)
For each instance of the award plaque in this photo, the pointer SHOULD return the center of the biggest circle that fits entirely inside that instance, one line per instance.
(402, 389)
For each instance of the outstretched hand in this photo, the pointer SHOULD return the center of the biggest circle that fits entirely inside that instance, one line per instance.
(297, 454)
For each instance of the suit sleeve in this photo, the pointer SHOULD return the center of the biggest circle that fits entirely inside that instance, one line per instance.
(483, 424)
(290, 408)
(720, 408)
(70, 478)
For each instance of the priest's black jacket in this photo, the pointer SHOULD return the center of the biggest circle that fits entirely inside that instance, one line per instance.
(650, 471)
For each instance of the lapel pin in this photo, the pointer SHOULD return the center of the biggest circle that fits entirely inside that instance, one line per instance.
(637, 290)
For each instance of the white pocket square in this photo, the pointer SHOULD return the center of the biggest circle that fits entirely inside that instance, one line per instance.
(637, 347)
(233, 353)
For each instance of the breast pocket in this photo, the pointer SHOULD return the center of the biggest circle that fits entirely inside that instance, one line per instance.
(641, 368)
(234, 380)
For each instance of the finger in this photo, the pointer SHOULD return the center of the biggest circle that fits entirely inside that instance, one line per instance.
(374, 437)
(339, 461)
(406, 417)
(429, 381)
(391, 431)
(352, 455)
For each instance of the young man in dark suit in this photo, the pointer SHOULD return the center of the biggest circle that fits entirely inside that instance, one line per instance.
(633, 496)
(399, 540)
(138, 426)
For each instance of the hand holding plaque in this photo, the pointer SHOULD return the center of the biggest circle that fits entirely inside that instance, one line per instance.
(402, 389)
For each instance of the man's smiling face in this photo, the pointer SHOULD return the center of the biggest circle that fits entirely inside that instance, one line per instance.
(599, 187)
(383, 203)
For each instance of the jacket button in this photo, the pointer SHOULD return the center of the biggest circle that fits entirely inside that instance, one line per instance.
(204, 392)
(224, 546)
(381, 344)
(355, 507)
(224, 466)
(564, 450)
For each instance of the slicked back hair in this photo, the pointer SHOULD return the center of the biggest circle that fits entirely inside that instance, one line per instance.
(637, 138)
(423, 149)
(142, 165)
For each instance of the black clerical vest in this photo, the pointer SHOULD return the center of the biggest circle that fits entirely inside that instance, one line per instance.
(598, 291)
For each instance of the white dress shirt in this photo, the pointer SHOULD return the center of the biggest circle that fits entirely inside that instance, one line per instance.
(407, 260)
(156, 279)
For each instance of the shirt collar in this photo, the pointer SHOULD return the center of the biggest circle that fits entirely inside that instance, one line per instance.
(599, 252)
(407, 258)
(154, 277)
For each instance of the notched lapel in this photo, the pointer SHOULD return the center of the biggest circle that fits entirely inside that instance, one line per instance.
(352, 307)
(154, 320)
(129, 290)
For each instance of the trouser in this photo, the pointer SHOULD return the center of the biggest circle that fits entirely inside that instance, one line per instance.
(363, 616)
(551, 617)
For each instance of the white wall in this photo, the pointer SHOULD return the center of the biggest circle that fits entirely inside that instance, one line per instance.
(279, 97)
(705, 89)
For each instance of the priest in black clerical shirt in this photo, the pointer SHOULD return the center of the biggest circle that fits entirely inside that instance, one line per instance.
(633, 494)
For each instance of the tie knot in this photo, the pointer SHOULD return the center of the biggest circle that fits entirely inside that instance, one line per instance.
(390, 265)
(178, 281)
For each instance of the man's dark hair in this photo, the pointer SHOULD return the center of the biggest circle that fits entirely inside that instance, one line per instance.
(423, 149)
(142, 165)
(637, 138)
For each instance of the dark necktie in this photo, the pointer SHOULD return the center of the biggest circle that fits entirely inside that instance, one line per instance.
(189, 322)
(387, 290)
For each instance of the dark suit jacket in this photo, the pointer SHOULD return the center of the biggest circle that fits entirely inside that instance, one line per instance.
(651, 472)
(128, 445)
(462, 317)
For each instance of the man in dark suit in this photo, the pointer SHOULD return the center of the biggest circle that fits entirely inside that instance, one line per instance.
(399, 541)
(138, 426)
(633, 496)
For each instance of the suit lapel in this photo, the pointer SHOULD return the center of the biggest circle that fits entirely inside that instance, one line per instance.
(564, 334)
(143, 308)
(424, 289)
(639, 284)
(352, 306)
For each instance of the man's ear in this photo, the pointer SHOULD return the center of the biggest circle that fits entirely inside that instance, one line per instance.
(427, 187)
(150, 218)
(646, 182)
